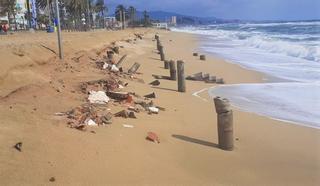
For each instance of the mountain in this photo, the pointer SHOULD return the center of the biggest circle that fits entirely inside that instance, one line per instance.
(163, 16)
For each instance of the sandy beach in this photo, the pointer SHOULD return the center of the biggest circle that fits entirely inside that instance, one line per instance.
(267, 152)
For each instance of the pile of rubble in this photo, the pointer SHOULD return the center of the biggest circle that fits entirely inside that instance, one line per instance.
(104, 93)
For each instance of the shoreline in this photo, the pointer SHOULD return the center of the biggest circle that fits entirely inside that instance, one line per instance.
(114, 155)
(266, 79)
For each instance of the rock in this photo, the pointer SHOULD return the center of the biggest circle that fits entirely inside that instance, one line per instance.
(122, 113)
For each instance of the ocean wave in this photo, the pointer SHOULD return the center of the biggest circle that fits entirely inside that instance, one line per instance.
(304, 46)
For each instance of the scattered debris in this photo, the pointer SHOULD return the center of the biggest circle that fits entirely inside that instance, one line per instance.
(152, 95)
(118, 95)
(90, 122)
(107, 119)
(153, 137)
(125, 114)
(134, 68)
(98, 97)
(153, 110)
(128, 126)
(155, 83)
(18, 146)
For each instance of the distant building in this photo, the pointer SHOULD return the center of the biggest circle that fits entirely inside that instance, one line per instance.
(174, 21)
(160, 25)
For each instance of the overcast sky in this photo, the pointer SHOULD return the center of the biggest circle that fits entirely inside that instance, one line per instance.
(231, 9)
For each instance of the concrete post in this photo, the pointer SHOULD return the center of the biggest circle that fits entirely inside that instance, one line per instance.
(181, 78)
(166, 64)
(162, 57)
(173, 71)
(225, 123)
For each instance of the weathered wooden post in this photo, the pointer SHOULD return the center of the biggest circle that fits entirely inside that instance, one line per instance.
(181, 79)
(134, 68)
(121, 60)
(173, 71)
(166, 64)
(156, 37)
(225, 123)
(162, 57)
(195, 54)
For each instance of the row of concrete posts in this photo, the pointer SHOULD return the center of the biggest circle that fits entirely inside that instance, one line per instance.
(222, 106)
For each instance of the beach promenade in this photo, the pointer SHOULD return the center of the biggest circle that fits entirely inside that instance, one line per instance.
(35, 84)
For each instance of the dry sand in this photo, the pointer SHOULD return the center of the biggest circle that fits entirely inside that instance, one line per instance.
(267, 152)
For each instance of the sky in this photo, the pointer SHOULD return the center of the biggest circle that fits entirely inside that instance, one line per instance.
(231, 9)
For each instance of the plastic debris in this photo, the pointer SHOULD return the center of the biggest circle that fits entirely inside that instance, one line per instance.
(98, 97)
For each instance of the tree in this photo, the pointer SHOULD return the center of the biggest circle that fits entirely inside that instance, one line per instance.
(146, 19)
(99, 8)
(132, 15)
(120, 9)
(8, 7)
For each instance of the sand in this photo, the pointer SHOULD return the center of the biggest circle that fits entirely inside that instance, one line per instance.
(267, 152)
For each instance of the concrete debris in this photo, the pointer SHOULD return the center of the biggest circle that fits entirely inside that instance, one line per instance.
(118, 95)
(127, 126)
(153, 137)
(206, 77)
(152, 95)
(98, 97)
(153, 110)
(18, 146)
(155, 83)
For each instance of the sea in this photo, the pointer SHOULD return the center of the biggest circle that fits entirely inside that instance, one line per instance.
(287, 51)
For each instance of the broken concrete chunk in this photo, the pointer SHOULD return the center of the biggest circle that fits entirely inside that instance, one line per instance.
(18, 146)
(90, 122)
(154, 110)
(155, 83)
(196, 77)
(152, 95)
(107, 119)
(122, 113)
(118, 95)
(153, 137)
(98, 97)
(219, 81)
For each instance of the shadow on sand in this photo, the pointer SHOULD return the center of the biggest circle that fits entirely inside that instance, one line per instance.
(165, 89)
(197, 141)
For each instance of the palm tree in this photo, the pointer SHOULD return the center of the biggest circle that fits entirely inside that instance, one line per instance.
(132, 15)
(146, 18)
